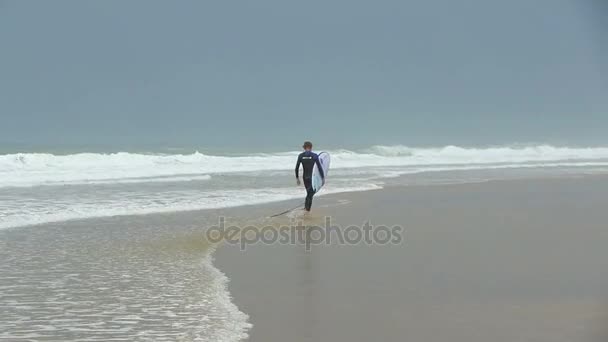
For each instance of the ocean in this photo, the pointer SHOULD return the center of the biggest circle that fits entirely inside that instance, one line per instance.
(40, 188)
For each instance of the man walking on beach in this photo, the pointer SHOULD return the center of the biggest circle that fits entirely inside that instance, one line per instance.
(308, 159)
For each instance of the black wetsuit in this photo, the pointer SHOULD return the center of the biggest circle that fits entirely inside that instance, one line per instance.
(308, 160)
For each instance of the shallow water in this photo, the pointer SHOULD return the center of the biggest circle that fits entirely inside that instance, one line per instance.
(120, 279)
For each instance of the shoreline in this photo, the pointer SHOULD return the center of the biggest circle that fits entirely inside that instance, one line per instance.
(500, 260)
(278, 204)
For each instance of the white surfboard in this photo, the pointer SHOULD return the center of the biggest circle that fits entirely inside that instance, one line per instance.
(317, 181)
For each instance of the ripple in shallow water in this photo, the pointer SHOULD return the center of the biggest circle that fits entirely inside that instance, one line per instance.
(107, 283)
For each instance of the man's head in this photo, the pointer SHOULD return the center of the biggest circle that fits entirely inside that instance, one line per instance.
(307, 146)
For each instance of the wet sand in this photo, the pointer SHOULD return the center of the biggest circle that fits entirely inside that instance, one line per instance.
(523, 260)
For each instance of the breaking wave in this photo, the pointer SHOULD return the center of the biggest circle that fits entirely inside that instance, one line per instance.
(35, 169)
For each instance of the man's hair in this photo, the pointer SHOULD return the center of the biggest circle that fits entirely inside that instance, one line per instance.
(307, 144)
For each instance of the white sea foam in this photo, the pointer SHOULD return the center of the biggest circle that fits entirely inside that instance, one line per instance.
(33, 169)
(236, 323)
(73, 206)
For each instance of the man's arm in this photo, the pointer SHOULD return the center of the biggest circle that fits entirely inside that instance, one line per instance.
(298, 166)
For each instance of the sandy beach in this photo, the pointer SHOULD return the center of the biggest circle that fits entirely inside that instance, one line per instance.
(517, 260)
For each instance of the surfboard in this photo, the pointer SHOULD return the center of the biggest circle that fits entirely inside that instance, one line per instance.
(317, 181)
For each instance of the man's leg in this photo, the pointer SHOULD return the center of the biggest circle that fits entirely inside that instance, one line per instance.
(309, 193)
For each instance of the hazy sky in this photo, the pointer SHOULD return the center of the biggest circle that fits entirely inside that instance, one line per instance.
(345, 72)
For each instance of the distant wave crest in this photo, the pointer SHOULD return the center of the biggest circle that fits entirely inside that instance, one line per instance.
(34, 169)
